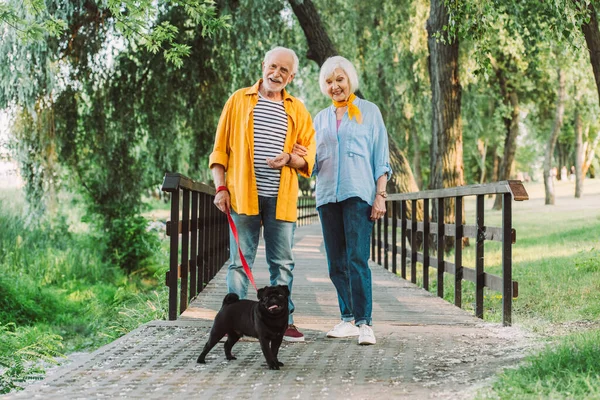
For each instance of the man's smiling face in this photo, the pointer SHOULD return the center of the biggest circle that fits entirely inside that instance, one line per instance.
(277, 71)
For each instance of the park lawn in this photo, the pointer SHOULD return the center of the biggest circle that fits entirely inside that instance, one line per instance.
(556, 258)
(556, 261)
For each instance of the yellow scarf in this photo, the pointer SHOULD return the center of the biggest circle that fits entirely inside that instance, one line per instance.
(353, 110)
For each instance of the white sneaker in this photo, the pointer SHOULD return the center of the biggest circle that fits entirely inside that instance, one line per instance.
(343, 329)
(366, 335)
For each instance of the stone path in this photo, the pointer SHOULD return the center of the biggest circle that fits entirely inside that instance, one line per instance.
(426, 348)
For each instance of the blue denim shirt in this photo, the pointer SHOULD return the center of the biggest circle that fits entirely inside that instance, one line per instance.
(351, 159)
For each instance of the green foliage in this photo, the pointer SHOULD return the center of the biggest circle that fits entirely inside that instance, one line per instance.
(567, 370)
(139, 309)
(58, 294)
(131, 243)
(23, 354)
(36, 21)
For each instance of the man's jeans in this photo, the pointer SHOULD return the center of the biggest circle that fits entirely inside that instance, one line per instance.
(347, 233)
(279, 238)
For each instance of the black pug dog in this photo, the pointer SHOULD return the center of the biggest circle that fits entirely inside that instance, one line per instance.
(265, 319)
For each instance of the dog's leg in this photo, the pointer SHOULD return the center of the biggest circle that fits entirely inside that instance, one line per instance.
(266, 349)
(213, 339)
(232, 339)
(275, 344)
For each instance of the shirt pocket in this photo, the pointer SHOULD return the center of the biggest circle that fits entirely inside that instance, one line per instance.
(359, 140)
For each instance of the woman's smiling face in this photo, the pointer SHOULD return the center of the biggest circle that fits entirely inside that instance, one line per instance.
(338, 85)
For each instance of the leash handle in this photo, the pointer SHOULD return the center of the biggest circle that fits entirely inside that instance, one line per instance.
(237, 240)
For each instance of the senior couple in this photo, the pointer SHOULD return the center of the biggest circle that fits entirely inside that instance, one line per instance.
(264, 138)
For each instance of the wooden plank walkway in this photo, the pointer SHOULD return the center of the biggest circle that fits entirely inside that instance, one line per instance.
(426, 348)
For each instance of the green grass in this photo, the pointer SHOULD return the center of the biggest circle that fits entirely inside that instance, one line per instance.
(569, 370)
(556, 261)
(58, 294)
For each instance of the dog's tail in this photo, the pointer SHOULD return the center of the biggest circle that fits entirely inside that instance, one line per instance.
(231, 298)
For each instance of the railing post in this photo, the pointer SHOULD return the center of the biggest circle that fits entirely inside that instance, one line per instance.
(458, 236)
(479, 254)
(426, 244)
(211, 239)
(507, 259)
(185, 248)
(403, 239)
(174, 255)
(394, 236)
(413, 242)
(373, 243)
(378, 241)
(202, 241)
(440, 247)
(194, 246)
(385, 240)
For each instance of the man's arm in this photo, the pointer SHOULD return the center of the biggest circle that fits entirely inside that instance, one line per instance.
(306, 138)
(222, 199)
(288, 159)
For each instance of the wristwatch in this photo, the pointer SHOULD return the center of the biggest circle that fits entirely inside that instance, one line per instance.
(383, 194)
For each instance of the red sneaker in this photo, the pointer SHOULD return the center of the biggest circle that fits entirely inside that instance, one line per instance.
(292, 334)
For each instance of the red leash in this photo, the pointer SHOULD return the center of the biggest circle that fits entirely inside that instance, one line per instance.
(237, 240)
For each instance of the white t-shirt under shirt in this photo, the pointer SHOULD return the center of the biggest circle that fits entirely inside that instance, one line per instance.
(270, 130)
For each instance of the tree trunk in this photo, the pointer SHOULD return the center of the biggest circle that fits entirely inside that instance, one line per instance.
(482, 149)
(511, 99)
(578, 153)
(592, 39)
(320, 48)
(558, 121)
(589, 154)
(416, 154)
(446, 142)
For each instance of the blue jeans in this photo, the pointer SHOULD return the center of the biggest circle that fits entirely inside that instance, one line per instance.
(279, 238)
(347, 234)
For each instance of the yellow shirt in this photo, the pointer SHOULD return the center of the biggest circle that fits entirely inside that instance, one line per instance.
(234, 149)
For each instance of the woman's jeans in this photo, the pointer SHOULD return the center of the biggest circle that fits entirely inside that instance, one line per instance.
(279, 238)
(347, 234)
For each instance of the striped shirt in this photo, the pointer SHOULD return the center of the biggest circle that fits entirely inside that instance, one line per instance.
(270, 130)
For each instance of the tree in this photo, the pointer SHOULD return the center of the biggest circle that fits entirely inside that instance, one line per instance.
(558, 122)
(320, 48)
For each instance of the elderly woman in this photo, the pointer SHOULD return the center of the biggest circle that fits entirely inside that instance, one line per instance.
(352, 171)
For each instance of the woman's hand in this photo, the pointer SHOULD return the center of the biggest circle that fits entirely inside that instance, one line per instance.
(299, 150)
(378, 209)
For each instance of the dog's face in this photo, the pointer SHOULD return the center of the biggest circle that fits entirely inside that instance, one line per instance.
(274, 298)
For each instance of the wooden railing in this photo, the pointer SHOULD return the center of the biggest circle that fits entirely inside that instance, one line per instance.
(204, 239)
(201, 246)
(435, 232)
(307, 211)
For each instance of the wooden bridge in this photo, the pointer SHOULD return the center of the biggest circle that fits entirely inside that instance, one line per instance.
(426, 347)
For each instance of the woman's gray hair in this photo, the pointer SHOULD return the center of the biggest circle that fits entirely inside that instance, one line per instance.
(290, 51)
(338, 62)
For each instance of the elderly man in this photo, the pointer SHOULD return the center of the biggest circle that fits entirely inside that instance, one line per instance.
(255, 172)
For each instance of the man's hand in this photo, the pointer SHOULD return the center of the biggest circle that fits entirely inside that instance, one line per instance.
(299, 150)
(223, 201)
(280, 161)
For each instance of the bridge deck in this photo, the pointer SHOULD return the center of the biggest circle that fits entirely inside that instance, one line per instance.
(426, 348)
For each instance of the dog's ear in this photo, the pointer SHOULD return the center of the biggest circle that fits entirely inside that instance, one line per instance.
(285, 289)
(260, 293)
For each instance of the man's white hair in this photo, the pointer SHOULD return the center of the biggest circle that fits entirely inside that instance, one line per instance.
(290, 51)
(330, 65)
